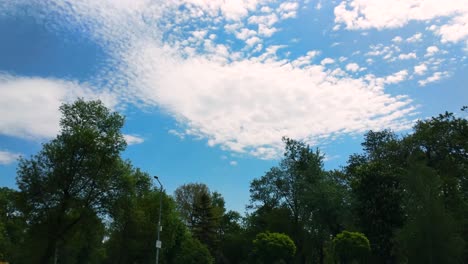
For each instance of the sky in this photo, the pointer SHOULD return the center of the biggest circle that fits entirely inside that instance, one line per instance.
(209, 87)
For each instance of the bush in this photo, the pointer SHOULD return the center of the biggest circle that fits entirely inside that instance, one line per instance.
(351, 247)
(273, 248)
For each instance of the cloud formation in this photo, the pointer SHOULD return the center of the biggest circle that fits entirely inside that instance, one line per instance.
(29, 106)
(383, 14)
(133, 139)
(7, 157)
(241, 98)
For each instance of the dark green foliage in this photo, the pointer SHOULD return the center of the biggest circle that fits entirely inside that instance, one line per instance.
(132, 233)
(191, 251)
(375, 180)
(430, 228)
(205, 224)
(12, 225)
(351, 247)
(203, 212)
(273, 248)
(311, 202)
(72, 176)
(79, 202)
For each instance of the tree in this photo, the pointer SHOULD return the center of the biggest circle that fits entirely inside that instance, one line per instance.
(375, 180)
(312, 197)
(12, 225)
(351, 247)
(202, 212)
(205, 225)
(134, 213)
(72, 176)
(430, 227)
(443, 142)
(187, 197)
(192, 252)
(273, 248)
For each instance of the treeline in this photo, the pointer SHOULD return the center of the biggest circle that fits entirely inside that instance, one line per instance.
(404, 199)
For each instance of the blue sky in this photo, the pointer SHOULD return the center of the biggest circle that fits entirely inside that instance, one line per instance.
(209, 87)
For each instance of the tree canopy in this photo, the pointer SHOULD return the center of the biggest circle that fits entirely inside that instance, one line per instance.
(404, 197)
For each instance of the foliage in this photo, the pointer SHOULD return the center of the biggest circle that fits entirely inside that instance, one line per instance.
(351, 247)
(78, 201)
(72, 176)
(375, 180)
(273, 248)
(193, 251)
(312, 198)
(430, 227)
(12, 225)
(202, 212)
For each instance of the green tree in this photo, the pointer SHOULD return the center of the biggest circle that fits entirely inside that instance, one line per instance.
(205, 223)
(443, 140)
(193, 251)
(314, 199)
(351, 247)
(12, 225)
(273, 248)
(133, 229)
(375, 180)
(72, 176)
(186, 197)
(202, 212)
(430, 227)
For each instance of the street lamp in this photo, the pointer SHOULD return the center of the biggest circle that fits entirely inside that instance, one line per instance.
(158, 242)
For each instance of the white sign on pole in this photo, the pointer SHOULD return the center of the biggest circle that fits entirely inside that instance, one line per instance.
(158, 244)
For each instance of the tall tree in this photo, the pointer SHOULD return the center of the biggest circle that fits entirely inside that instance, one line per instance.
(202, 212)
(375, 179)
(443, 142)
(71, 177)
(12, 225)
(430, 227)
(187, 197)
(300, 185)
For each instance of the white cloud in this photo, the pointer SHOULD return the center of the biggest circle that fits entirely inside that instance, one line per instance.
(233, 163)
(7, 157)
(415, 38)
(234, 100)
(327, 61)
(397, 77)
(430, 51)
(305, 60)
(288, 9)
(352, 67)
(133, 139)
(407, 56)
(433, 78)
(397, 39)
(180, 135)
(456, 30)
(381, 14)
(420, 69)
(29, 107)
(247, 106)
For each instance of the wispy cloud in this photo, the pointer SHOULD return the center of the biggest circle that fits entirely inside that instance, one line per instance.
(7, 157)
(243, 99)
(382, 14)
(433, 78)
(29, 106)
(133, 139)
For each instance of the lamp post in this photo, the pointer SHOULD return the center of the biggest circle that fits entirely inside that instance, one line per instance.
(158, 242)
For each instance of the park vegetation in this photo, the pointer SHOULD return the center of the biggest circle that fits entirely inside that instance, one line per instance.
(404, 199)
